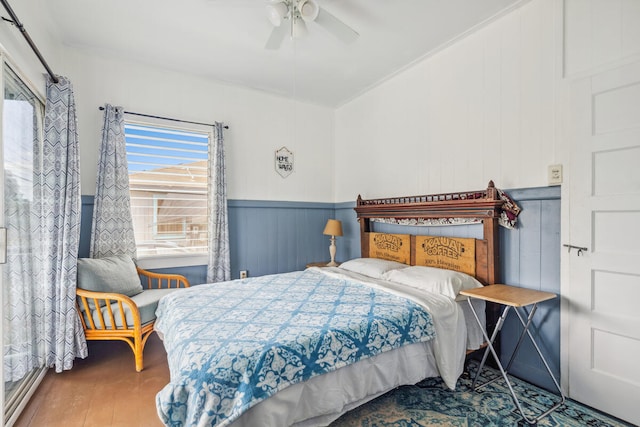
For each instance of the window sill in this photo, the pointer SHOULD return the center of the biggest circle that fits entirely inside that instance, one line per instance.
(171, 261)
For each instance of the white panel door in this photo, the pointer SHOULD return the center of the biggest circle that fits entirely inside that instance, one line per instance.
(604, 290)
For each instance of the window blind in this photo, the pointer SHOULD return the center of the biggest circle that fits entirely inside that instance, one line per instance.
(168, 186)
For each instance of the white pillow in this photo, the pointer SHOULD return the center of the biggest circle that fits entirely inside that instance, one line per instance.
(372, 267)
(435, 280)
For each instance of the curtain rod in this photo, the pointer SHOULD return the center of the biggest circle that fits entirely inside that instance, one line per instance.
(15, 21)
(167, 118)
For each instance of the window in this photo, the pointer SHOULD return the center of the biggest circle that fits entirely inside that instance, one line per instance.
(168, 187)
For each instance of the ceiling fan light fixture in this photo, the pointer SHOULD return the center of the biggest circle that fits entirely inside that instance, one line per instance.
(277, 12)
(299, 29)
(308, 9)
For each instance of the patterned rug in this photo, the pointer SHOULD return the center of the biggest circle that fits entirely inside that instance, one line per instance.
(431, 403)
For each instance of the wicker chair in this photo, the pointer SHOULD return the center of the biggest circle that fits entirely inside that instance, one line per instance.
(114, 316)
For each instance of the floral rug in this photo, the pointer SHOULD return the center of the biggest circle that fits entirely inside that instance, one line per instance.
(431, 403)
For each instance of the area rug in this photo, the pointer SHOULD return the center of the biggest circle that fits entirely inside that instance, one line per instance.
(431, 403)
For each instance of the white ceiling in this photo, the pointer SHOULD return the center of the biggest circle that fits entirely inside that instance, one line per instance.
(224, 39)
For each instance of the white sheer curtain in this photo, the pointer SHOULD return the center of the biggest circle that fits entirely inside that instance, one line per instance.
(219, 265)
(23, 303)
(112, 226)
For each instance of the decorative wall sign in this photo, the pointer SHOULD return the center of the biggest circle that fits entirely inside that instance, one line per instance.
(284, 162)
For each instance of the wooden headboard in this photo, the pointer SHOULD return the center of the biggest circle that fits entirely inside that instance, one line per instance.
(484, 205)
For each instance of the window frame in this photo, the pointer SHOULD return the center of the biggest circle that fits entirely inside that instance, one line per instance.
(157, 261)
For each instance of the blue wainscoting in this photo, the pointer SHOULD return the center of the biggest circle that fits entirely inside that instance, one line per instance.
(269, 237)
(266, 237)
(530, 258)
(277, 237)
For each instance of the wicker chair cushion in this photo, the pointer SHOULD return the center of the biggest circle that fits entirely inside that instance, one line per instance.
(115, 274)
(147, 302)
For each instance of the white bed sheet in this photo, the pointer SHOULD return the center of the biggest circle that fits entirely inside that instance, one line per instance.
(323, 399)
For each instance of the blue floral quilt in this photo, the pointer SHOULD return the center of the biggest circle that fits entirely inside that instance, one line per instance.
(231, 345)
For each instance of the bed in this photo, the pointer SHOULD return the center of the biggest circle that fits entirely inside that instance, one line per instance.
(303, 348)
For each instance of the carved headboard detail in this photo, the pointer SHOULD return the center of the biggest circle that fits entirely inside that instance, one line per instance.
(484, 205)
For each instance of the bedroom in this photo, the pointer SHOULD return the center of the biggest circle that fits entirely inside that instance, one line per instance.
(499, 98)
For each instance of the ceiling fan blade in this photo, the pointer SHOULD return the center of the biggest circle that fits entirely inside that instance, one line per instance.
(277, 36)
(336, 27)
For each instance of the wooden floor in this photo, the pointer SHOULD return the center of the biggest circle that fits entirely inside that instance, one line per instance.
(102, 390)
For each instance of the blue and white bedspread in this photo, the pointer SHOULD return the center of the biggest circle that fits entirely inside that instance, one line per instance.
(231, 345)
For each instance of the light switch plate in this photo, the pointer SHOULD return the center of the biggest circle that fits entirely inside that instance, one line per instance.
(555, 175)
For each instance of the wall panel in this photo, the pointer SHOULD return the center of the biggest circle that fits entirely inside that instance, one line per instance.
(269, 237)
(484, 108)
(266, 237)
(531, 259)
(599, 33)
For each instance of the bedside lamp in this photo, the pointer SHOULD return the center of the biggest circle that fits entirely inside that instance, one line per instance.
(333, 229)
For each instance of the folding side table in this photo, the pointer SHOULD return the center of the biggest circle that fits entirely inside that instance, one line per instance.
(511, 296)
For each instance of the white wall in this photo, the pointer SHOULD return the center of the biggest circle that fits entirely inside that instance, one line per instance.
(488, 107)
(484, 108)
(600, 34)
(259, 124)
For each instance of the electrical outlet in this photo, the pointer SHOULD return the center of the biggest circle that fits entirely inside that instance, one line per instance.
(243, 274)
(555, 175)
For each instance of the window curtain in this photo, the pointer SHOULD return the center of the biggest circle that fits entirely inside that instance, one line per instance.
(112, 225)
(23, 303)
(219, 264)
(58, 197)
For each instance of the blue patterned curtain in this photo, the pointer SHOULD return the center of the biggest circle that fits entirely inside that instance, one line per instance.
(58, 198)
(219, 265)
(112, 226)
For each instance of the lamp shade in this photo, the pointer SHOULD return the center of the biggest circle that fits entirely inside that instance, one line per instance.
(308, 9)
(333, 228)
(277, 12)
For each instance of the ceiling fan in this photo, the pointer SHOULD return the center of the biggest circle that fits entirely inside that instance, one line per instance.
(298, 13)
